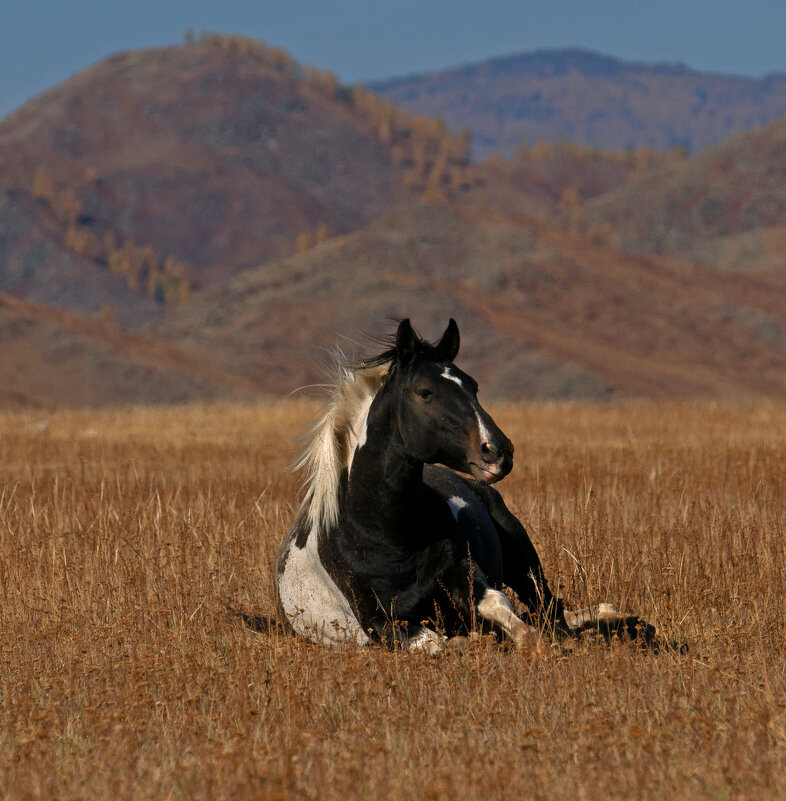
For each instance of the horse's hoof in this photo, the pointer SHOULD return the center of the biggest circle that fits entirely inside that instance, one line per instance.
(433, 648)
(639, 631)
(427, 642)
(530, 642)
(465, 642)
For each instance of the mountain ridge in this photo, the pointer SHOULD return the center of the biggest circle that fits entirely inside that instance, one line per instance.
(591, 98)
(168, 208)
(207, 154)
(589, 61)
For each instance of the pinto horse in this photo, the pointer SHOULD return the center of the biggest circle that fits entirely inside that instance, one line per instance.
(400, 538)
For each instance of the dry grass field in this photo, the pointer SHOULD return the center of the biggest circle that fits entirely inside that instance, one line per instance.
(124, 535)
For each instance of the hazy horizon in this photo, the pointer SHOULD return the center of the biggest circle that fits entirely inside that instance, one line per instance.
(44, 42)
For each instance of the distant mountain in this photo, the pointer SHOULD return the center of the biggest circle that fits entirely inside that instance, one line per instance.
(155, 172)
(199, 221)
(588, 98)
(725, 206)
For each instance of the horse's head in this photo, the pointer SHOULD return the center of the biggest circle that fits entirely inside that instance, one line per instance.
(439, 417)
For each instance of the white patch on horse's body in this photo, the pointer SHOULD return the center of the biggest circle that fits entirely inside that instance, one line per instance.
(450, 377)
(456, 504)
(312, 602)
(495, 607)
(310, 598)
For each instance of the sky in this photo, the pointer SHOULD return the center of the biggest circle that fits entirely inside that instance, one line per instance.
(43, 42)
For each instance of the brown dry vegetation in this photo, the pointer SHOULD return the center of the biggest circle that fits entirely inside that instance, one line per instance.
(697, 207)
(123, 534)
(543, 312)
(51, 359)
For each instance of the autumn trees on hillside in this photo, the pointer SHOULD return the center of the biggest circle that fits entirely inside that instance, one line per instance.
(433, 158)
(161, 277)
(636, 158)
(432, 161)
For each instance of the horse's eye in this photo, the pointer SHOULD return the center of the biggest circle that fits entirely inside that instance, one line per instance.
(424, 393)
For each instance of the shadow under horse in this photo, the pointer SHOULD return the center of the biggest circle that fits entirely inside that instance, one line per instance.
(401, 539)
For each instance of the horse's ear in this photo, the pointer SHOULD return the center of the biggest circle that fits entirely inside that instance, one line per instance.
(406, 342)
(448, 346)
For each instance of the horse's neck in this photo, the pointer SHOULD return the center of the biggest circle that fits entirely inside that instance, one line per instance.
(385, 484)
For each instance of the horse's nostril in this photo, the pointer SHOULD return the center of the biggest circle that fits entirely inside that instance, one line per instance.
(488, 452)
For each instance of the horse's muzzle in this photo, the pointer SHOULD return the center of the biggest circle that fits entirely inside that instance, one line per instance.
(495, 463)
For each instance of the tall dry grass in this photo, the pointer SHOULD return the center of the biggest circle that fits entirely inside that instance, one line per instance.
(123, 675)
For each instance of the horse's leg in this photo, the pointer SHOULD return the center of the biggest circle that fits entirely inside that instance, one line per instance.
(522, 569)
(523, 573)
(609, 621)
(590, 616)
(470, 592)
(409, 637)
(496, 608)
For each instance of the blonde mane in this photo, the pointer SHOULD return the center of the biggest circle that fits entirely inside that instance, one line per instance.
(334, 437)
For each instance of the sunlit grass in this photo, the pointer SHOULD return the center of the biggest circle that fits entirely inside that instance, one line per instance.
(124, 536)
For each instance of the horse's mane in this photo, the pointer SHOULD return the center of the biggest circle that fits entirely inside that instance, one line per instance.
(334, 436)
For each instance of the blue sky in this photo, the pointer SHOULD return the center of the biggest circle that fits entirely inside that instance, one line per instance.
(43, 42)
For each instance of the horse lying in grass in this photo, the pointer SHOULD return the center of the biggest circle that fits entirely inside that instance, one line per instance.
(388, 546)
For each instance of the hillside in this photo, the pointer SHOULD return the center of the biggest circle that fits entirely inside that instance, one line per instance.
(34, 264)
(178, 167)
(543, 313)
(51, 359)
(203, 221)
(725, 206)
(589, 98)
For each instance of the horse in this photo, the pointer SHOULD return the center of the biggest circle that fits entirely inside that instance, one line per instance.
(400, 538)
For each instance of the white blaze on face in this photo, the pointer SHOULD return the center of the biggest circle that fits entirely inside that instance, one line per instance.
(485, 437)
(446, 373)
